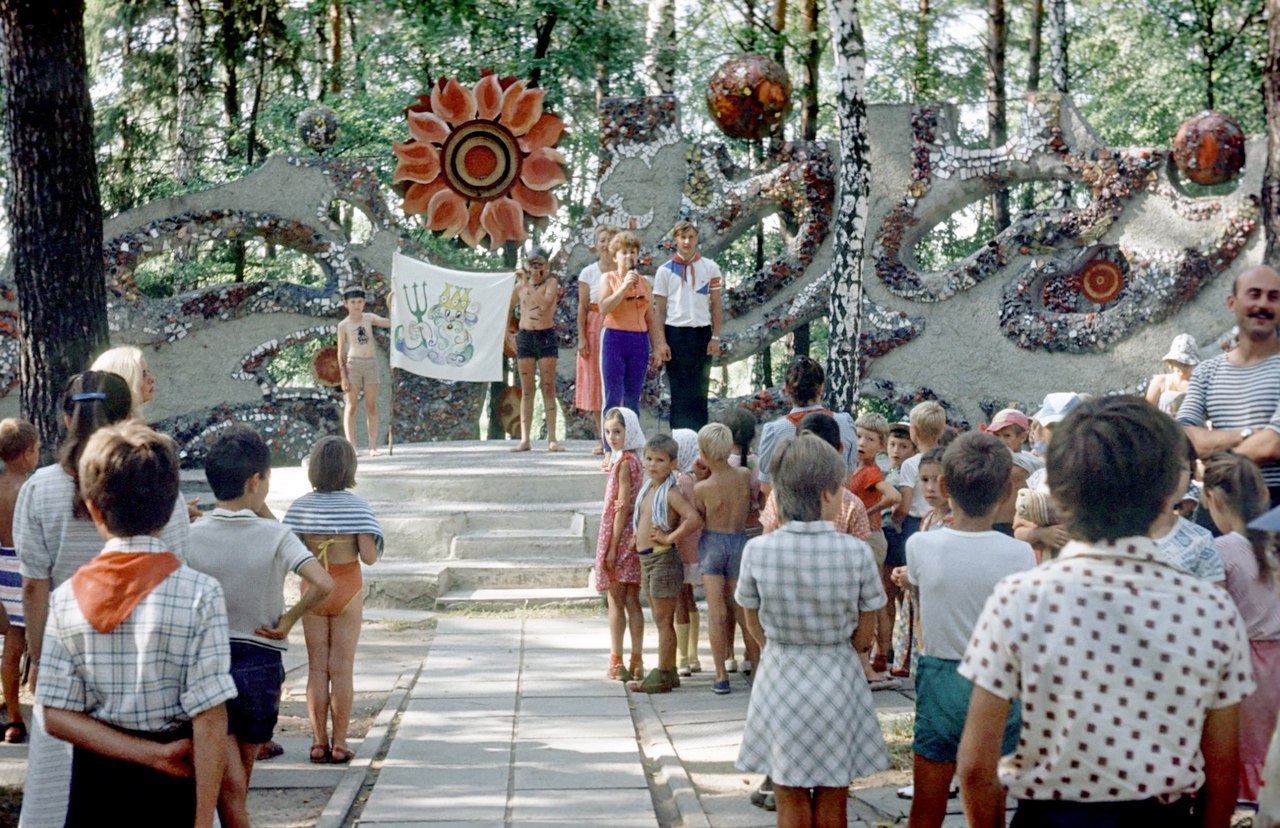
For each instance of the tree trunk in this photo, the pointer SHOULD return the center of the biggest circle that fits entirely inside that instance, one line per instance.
(1058, 61)
(357, 62)
(922, 72)
(259, 78)
(809, 72)
(1271, 103)
(542, 44)
(190, 64)
(997, 117)
(660, 48)
(602, 52)
(55, 216)
(1033, 48)
(232, 49)
(845, 308)
(335, 46)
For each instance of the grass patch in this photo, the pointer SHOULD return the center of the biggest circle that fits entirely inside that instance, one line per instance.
(899, 731)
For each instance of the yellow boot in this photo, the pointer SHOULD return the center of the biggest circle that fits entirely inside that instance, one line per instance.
(682, 647)
(694, 666)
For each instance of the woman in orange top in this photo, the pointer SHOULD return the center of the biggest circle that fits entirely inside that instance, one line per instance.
(626, 304)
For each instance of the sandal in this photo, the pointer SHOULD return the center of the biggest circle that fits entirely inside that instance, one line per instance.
(15, 733)
(339, 755)
(320, 754)
(269, 750)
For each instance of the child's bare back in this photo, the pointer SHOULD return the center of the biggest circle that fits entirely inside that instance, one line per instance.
(10, 483)
(724, 498)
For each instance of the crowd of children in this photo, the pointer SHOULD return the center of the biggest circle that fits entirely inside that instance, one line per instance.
(1080, 641)
(156, 660)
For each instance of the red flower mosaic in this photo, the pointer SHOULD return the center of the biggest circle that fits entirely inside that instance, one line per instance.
(480, 159)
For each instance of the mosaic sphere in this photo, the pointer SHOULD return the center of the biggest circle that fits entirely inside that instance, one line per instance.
(318, 127)
(324, 367)
(749, 97)
(1209, 148)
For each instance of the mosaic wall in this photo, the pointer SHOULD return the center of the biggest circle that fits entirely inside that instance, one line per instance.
(1082, 299)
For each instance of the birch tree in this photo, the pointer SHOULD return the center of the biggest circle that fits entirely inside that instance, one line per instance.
(1271, 104)
(845, 304)
(190, 68)
(660, 47)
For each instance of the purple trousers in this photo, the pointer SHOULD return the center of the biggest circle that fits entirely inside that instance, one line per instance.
(624, 361)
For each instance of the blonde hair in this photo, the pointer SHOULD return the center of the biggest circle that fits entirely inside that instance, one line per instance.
(16, 437)
(624, 240)
(611, 229)
(129, 363)
(683, 226)
(715, 441)
(872, 421)
(929, 421)
(803, 469)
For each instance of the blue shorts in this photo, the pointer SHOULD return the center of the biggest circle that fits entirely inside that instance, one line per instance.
(258, 673)
(720, 553)
(942, 703)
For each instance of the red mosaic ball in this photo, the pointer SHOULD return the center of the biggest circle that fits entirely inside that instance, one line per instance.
(509, 410)
(1209, 148)
(749, 97)
(324, 367)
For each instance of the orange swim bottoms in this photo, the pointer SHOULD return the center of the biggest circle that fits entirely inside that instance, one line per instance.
(347, 583)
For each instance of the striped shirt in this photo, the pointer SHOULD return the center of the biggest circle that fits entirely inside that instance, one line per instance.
(11, 586)
(1229, 396)
(52, 543)
(169, 661)
(333, 513)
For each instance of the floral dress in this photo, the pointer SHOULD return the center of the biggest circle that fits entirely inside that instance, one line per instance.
(626, 567)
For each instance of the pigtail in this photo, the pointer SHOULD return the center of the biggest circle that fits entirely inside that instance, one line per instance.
(1244, 491)
(90, 401)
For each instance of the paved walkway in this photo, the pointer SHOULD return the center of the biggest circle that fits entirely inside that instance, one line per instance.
(511, 722)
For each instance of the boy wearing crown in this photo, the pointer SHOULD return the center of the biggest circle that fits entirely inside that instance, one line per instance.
(358, 366)
(537, 346)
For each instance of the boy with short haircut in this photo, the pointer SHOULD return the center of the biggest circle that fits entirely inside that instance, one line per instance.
(1130, 671)
(877, 494)
(537, 346)
(928, 422)
(358, 365)
(724, 500)
(20, 451)
(952, 570)
(662, 518)
(135, 664)
(900, 449)
(241, 545)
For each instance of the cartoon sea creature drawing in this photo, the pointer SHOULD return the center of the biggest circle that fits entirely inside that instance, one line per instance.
(440, 334)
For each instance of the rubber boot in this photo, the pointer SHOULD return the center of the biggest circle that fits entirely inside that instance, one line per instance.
(682, 649)
(692, 656)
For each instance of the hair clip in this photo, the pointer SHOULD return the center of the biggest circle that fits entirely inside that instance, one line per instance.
(87, 396)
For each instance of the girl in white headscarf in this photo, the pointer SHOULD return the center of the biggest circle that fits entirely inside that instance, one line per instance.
(617, 570)
(1165, 389)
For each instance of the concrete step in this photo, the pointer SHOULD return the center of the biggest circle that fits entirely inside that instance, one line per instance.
(517, 598)
(518, 544)
(401, 584)
(551, 573)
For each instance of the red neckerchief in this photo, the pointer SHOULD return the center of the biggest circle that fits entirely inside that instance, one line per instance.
(796, 416)
(688, 267)
(112, 584)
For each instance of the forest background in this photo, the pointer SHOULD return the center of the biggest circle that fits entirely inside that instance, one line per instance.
(187, 94)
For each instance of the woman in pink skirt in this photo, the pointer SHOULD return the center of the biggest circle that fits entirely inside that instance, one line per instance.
(589, 392)
(1235, 493)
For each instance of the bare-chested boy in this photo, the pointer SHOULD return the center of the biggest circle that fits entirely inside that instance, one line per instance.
(536, 292)
(662, 518)
(20, 451)
(357, 361)
(724, 499)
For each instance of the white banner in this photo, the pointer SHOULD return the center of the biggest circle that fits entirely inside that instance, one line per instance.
(448, 324)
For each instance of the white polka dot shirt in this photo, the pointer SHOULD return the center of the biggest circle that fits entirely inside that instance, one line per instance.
(1117, 656)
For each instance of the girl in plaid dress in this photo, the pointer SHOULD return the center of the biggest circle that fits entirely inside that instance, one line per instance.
(809, 591)
(617, 569)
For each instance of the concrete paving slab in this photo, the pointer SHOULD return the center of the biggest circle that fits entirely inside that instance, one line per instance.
(575, 727)
(403, 800)
(432, 824)
(629, 806)
(416, 723)
(501, 693)
(706, 735)
(569, 706)
(530, 687)
(446, 752)
(578, 764)
(460, 707)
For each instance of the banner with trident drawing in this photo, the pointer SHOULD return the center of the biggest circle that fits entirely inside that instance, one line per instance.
(448, 324)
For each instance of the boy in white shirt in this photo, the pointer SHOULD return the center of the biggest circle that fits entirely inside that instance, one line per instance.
(687, 313)
(242, 545)
(952, 571)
